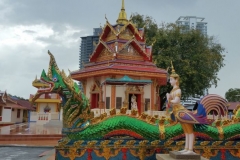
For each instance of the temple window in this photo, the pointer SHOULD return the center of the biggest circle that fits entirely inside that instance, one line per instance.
(147, 104)
(107, 102)
(118, 102)
(18, 113)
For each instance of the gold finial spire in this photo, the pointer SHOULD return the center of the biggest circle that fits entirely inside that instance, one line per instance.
(122, 18)
(173, 74)
(123, 6)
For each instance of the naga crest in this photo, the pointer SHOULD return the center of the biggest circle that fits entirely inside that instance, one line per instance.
(75, 104)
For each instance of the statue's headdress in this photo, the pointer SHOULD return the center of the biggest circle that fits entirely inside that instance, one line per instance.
(173, 74)
(133, 96)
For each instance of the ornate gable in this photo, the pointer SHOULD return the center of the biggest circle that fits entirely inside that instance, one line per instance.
(129, 50)
(123, 41)
(105, 55)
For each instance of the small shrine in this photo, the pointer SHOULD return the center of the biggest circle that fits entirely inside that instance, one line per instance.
(47, 105)
(120, 68)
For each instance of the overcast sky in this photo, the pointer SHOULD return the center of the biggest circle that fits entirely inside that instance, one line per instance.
(29, 28)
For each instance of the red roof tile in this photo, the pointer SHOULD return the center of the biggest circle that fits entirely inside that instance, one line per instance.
(233, 105)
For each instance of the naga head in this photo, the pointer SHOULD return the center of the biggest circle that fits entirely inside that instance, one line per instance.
(56, 81)
(76, 110)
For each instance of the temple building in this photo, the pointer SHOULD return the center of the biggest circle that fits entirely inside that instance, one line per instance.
(121, 72)
(13, 110)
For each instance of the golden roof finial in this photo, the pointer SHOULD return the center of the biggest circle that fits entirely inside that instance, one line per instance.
(173, 74)
(122, 18)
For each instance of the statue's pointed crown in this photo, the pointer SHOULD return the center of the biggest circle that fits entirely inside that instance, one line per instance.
(173, 73)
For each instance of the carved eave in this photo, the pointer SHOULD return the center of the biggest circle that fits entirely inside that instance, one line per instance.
(3, 97)
(101, 45)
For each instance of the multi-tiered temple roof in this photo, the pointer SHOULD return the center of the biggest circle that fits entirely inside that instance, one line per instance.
(121, 50)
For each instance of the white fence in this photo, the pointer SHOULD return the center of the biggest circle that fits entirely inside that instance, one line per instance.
(43, 118)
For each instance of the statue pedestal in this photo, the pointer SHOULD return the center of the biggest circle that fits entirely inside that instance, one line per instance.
(174, 155)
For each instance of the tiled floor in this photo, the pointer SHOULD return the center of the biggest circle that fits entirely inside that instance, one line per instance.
(30, 143)
(30, 134)
(29, 128)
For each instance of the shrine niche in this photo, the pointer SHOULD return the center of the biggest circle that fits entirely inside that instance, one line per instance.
(137, 92)
(96, 95)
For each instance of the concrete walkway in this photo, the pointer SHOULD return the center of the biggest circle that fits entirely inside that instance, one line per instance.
(27, 153)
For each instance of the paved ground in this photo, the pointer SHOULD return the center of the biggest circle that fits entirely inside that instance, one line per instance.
(22, 153)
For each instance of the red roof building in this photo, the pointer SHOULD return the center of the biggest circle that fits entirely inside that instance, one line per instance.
(14, 110)
(121, 51)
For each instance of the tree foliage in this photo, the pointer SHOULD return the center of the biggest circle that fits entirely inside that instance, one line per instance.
(196, 58)
(233, 95)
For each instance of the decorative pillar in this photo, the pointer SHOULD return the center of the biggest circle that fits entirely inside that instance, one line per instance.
(125, 102)
(38, 107)
(84, 84)
(113, 96)
(157, 98)
(61, 113)
(100, 101)
(152, 96)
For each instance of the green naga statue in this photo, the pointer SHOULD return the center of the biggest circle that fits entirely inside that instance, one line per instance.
(79, 123)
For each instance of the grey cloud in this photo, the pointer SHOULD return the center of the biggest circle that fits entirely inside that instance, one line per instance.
(29, 31)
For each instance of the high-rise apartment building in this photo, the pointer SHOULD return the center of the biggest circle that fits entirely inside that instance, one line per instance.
(87, 46)
(192, 22)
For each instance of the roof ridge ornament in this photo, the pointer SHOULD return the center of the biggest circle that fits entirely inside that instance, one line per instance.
(106, 17)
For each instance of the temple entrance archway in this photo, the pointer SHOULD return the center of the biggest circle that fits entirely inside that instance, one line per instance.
(138, 99)
(138, 92)
(94, 100)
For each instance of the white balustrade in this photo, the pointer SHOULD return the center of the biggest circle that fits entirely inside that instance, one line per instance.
(55, 115)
